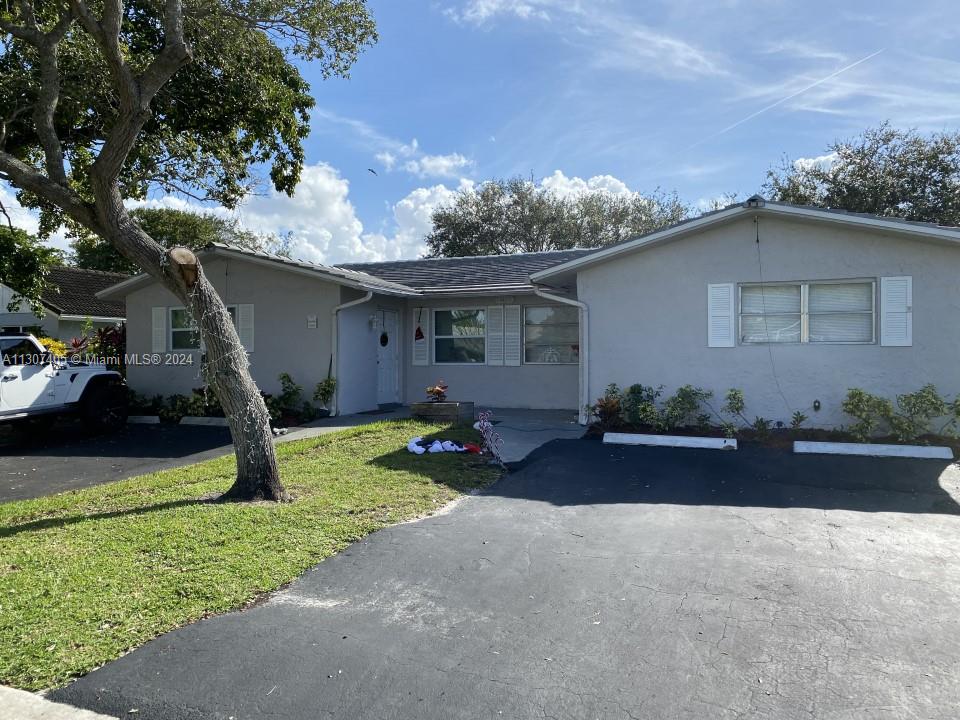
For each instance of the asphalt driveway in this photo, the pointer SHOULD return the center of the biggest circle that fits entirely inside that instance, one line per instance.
(602, 582)
(68, 457)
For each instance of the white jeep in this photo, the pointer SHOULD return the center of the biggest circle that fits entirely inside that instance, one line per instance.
(36, 387)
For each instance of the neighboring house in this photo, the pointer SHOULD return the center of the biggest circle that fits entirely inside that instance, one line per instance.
(792, 305)
(69, 301)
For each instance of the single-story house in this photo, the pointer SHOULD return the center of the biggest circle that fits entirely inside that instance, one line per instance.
(69, 302)
(792, 305)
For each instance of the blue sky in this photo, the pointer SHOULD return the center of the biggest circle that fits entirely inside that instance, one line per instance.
(697, 97)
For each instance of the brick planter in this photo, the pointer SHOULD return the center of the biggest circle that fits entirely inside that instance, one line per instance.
(447, 412)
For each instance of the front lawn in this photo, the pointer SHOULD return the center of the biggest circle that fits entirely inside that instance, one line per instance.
(90, 574)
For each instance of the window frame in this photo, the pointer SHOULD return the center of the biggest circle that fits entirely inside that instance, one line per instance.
(523, 335)
(805, 310)
(235, 308)
(434, 336)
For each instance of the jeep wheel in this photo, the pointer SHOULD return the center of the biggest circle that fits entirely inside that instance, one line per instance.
(104, 406)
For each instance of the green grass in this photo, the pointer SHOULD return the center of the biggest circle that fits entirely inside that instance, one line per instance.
(90, 574)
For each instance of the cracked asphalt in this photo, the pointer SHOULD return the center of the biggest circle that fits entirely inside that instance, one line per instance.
(602, 582)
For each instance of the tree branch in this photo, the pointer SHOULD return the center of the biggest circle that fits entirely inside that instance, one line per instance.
(27, 178)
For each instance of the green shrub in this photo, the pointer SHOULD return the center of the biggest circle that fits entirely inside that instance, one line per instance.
(684, 408)
(640, 405)
(915, 411)
(175, 407)
(325, 390)
(798, 419)
(870, 412)
(761, 426)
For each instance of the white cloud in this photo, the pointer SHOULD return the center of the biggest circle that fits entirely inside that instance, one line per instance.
(568, 187)
(387, 159)
(451, 165)
(821, 161)
(479, 12)
(323, 223)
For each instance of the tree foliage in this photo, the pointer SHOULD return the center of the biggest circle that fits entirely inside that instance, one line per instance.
(517, 215)
(884, 171)
(24, 262)
(172, 228)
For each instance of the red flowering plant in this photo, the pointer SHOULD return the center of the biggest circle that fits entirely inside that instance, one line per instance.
(438, 391)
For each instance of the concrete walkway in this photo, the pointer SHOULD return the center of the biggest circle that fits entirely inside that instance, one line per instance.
(523, 431)
(23, 705)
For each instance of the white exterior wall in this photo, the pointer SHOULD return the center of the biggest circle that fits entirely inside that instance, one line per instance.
(358, 342)
(524, 386)
(648, 317)
(282, 302)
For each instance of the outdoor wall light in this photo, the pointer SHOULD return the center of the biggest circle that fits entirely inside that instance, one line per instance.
(816, 405)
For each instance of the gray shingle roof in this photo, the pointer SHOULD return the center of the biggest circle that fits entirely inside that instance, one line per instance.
(485, 273)
(365, 280)
(72, 291)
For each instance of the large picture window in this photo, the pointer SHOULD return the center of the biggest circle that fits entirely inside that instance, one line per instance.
(459, 336)
(821, 312)
(184, 334)
(551, 335)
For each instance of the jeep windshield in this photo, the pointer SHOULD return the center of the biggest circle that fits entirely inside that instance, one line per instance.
(21, 351)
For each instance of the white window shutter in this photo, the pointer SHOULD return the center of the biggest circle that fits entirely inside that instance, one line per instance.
(512, 335)
(896, 311)
(421, 339)
(721, 315)
(245, 326)
(495, 335)
(159, 342)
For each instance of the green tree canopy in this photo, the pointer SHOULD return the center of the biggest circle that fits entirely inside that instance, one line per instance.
(517, 215)
(884, 171)
(24, 262)
(172, 228)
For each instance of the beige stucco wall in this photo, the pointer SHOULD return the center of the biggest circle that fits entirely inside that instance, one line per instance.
(523, 386)
(648, 317)
(282, 302)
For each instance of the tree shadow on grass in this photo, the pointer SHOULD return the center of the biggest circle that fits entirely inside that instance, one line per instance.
(68, 520)
(462, 472)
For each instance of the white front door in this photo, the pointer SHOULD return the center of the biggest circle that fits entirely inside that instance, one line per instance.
(388, 357)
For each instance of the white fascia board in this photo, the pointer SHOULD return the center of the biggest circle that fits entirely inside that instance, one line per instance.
(929, 452)
(950, 235)
(94, 318)
(681, 441)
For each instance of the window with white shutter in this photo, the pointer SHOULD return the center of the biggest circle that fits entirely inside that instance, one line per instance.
(824, 312)
(495, 335)
(512, 335)
(720, 315)
(896, 311)
(159, 337)
(459, 336)
(420, 351)
(243, 318)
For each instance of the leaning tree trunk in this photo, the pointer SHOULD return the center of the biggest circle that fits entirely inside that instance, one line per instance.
(227, 369)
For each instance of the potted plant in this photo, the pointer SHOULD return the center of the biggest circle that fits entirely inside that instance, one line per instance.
(324, 394)
(438, 392)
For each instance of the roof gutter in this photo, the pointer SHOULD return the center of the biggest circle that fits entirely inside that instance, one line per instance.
(335, 342)
(582, 412)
